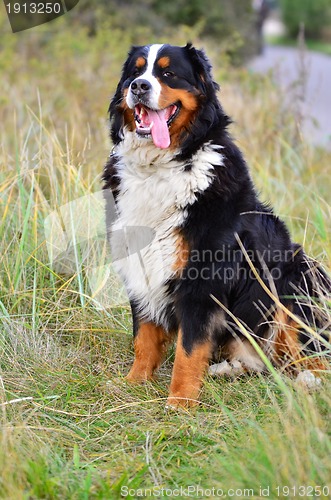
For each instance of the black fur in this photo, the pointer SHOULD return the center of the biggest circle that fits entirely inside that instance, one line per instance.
(227, 213)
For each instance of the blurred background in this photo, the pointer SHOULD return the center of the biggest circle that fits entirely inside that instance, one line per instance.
(96, 34)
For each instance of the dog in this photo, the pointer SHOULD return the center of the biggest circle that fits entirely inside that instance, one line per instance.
(206, 260)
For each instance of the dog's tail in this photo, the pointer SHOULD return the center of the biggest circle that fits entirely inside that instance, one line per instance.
(313, 305)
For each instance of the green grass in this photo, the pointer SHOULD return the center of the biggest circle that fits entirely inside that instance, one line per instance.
(316, 45)
(71, 427)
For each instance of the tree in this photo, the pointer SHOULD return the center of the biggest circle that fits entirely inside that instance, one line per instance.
(315, 15)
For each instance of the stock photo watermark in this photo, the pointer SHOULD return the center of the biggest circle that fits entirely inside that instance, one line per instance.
(77, 242)
(26, 14)
(196, 491)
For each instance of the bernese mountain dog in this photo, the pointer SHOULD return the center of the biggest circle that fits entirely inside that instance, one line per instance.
(202, 259)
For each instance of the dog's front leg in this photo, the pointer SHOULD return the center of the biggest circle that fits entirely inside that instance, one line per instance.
(150, 345)
(188, 372)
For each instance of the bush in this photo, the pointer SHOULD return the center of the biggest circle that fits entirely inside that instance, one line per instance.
(315, 15)
(231, 23)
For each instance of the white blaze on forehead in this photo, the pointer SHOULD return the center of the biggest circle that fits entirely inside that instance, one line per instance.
(148, 75)
(152, 55)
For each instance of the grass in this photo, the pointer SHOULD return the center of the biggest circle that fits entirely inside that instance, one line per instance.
(70, 425)
(316, 45)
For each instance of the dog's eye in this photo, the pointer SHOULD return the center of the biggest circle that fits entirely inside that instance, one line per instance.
(168, 74)
(136, 72)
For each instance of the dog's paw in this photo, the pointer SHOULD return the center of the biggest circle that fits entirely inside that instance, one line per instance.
(135, 380)
(139, 377)
(180, 403)
(308, 380)
(225, 368)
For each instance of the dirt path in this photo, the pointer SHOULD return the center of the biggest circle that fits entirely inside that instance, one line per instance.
(307, 74)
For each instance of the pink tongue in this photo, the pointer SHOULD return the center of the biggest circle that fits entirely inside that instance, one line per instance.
(159, 131)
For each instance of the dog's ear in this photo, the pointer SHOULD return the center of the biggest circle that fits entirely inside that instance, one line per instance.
(116, 115)
(115, 110)
(202, 69)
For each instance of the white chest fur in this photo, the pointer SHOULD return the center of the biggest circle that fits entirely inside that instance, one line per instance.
(155, 191)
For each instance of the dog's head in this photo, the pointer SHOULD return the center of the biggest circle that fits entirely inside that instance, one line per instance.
(163, 92)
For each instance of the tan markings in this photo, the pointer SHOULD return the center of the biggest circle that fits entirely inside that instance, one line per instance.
(163, 62)
(180, 127)
(170, 96)
(125, 93)
(181, 253)
(188, 372)
(189, 105)
(288, 350)
(150, 346)
(140, 62)
(128, 114)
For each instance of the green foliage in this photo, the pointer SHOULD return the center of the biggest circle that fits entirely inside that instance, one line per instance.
(317, 45)
(229, 22)
(314, 15)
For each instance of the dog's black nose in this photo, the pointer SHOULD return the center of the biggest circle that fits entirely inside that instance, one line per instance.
(140, 86)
